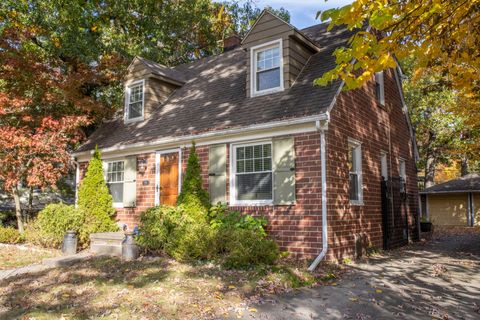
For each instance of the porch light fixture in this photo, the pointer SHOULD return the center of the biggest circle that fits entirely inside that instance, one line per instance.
(142, 165)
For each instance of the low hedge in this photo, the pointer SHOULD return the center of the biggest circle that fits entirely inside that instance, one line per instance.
(51, 224)
(231, 238)
(10, 235)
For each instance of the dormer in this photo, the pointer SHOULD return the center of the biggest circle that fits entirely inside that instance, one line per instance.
(276, 54)
(147, 84)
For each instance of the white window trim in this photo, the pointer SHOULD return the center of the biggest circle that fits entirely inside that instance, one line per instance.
(157, 171)
(358, 155)
(233, 171)
(253, 71)
(382, 155)
(381, 78)
(116, 205)
(400, 161)
(127, 101)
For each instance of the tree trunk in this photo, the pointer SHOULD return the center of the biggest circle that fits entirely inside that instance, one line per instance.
(464, 166)
(18, 209)
(30, 203)
(430, 171)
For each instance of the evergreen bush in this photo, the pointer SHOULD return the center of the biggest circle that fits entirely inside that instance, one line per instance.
(192, 194)
(94, 199)
(51, 224)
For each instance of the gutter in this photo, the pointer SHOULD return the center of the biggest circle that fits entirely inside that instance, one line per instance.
(322, 127)
(212, 134)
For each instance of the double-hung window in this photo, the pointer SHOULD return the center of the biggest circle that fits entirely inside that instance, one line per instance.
(380, 87)
(267, 68)
(253, 173)
(115, 180)
(134, 101)
(355, 172)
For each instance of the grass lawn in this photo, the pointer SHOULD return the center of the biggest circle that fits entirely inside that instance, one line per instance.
(153, 288)
(14, 256)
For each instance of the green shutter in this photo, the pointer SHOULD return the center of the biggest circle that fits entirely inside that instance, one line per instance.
(283, 171)
(130, 182)
(217, 173)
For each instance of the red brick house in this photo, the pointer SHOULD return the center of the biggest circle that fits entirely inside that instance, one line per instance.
(311, 159)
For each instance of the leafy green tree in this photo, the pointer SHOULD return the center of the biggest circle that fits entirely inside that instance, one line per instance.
(243, 14)
(94, 198)
(193, 195)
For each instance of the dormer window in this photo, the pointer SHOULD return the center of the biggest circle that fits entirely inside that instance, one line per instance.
(267, 68)
(134, 101)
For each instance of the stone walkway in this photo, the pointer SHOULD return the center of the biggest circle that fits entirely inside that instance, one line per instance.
(46, 264)
(439, 280)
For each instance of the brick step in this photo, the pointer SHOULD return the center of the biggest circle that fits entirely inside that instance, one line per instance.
(107, 243)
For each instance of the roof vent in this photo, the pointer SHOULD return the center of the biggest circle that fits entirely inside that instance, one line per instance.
(231, 42)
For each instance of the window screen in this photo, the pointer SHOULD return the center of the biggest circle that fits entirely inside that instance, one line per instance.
(254, 172)
(135, 103)
(115, 173)
(354, 165)
(268, 69)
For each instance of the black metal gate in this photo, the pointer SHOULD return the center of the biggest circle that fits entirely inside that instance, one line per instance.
(394, 213)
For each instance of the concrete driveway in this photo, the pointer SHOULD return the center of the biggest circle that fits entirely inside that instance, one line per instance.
(437, 280)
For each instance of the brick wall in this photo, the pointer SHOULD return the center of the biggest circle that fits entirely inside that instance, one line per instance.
(297, 228)
(357, 115)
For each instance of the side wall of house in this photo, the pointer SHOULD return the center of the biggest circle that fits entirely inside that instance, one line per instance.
(357, 115)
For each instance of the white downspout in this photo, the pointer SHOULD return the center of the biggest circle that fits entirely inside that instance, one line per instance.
(77, 179)
(322, 128)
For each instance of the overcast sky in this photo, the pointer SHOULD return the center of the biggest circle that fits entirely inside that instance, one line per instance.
(303, 12)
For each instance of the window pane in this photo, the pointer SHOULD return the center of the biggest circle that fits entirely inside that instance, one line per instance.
(249, 165)
(249, 152)
(354, 186)
(241, 153)
(256, 186)
(116, 190)
(257, 151)
(135, 110)
(267, 164)
(258, 165)
(268, 79)
(267, 150)
(240, 166)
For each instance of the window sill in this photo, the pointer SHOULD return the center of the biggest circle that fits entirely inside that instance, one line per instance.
(118, 205)
(251, 204)
(356, 202)
(264, 92)
(134, 120)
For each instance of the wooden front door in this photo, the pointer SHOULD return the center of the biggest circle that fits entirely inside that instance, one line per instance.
(169, 178)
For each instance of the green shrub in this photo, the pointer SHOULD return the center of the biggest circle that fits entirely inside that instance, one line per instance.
(193, 196)
(93, 194)
(10, 235)
(51, 224)
(49, 228)
(245, 248)
(95, 201)
(177, 232)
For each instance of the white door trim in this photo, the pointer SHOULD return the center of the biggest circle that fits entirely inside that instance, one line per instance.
(157, 171)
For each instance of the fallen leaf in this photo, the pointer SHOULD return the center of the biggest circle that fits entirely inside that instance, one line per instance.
(253, 310)
(378, 291)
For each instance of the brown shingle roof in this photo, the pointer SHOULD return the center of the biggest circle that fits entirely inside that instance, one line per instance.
(467, 183)
(214, 97)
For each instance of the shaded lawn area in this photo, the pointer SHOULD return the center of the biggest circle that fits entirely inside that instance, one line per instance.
(14, 256)
(155, 288)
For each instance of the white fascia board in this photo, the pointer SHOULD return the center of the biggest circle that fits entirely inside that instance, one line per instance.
(270, 129)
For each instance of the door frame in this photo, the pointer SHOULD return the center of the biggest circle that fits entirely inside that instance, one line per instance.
(157, 171)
